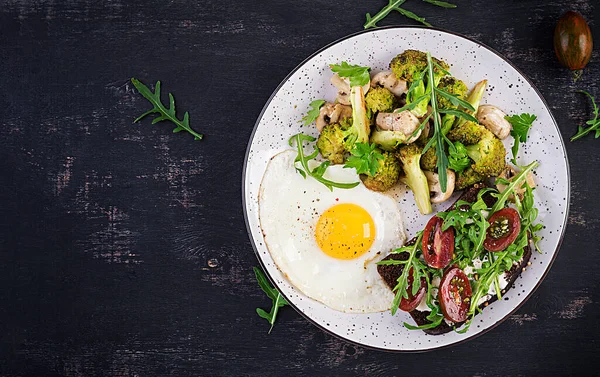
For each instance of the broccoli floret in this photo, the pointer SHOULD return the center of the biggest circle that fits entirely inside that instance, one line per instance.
(380, 100)
(429, 159)
(335, 141)
(331, 142)
(410, 156)
(467, 133)
(488, 154)
(387, 174)
(467, 178)
(474, 99)
(408, 66)
(411, 63)
(454, 86)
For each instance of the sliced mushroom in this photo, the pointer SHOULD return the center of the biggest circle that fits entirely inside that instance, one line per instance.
(435, 189)
(343, 87)
(493, 119)
(332, 113)
(388, 80)
(509, 173)
(405, 122)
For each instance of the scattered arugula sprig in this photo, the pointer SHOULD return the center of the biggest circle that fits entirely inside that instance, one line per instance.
(593, 124)
(439, 139)
(431, 93)
(357, 74)
(520, 127)
(396, 5)
(277, 299)
(313, 113)
(419, 270)
(516, 182)
(164, 112)
(317, 172)
(470, 227)
(401, 288)
(364, 158)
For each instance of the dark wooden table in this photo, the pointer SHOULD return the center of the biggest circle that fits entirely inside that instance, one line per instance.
(123, 249)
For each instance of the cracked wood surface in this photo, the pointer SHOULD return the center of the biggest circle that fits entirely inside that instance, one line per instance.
(124, 250)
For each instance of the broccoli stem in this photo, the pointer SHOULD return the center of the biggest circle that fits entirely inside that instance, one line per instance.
(474, 99)
(360, 121)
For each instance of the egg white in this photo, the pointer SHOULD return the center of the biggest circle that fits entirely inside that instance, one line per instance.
(289, 208)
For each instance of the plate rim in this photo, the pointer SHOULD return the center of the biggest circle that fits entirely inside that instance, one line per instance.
(505, 59)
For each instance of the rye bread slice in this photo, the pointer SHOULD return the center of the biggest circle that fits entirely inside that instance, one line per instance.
(390, 273)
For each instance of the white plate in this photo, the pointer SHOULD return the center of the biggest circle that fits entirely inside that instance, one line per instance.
(470, 61)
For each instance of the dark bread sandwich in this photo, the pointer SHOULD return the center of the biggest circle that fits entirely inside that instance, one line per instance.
(391, 273)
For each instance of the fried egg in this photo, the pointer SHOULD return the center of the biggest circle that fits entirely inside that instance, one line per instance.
(327, 243)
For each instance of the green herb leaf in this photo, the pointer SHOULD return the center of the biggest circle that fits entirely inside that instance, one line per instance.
(277, 299)
(516, 182)
(442, 4)
(413, 16)
(313, 113)
(164, 112)
(365, 158)
(438, 136)
(358, 75)
(401, 288)
(520, 127)
(593, 124)
(318, 172)
(458, 160)
(372, 21)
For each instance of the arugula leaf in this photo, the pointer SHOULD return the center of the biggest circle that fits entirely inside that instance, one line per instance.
(277, 299)
(516, 182)
(313, 113)
(395, 5)
(318, 172)
(372, 21)
(365, 158)
(520, 127)
(358, 75)
(442, 4)
(593, 124)
(458, 160)
(438, 136)
(401, 288)
(164, 113)
(412, 16)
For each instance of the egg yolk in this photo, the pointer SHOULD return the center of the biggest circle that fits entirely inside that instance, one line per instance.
(345, 231)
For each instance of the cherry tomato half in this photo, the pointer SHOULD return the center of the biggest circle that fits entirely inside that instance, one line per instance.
(409, 304)
(438, 245)
(504, 228)
(454, 295)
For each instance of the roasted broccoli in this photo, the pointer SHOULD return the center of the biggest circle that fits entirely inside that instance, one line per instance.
(467, 178)
(410, 156)
(454, 86)
(387, 174)
(467, 133)
(338, 138)
(380, 100)
(488, 154)
(331, 142)
(409, 66)
(429, 159)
